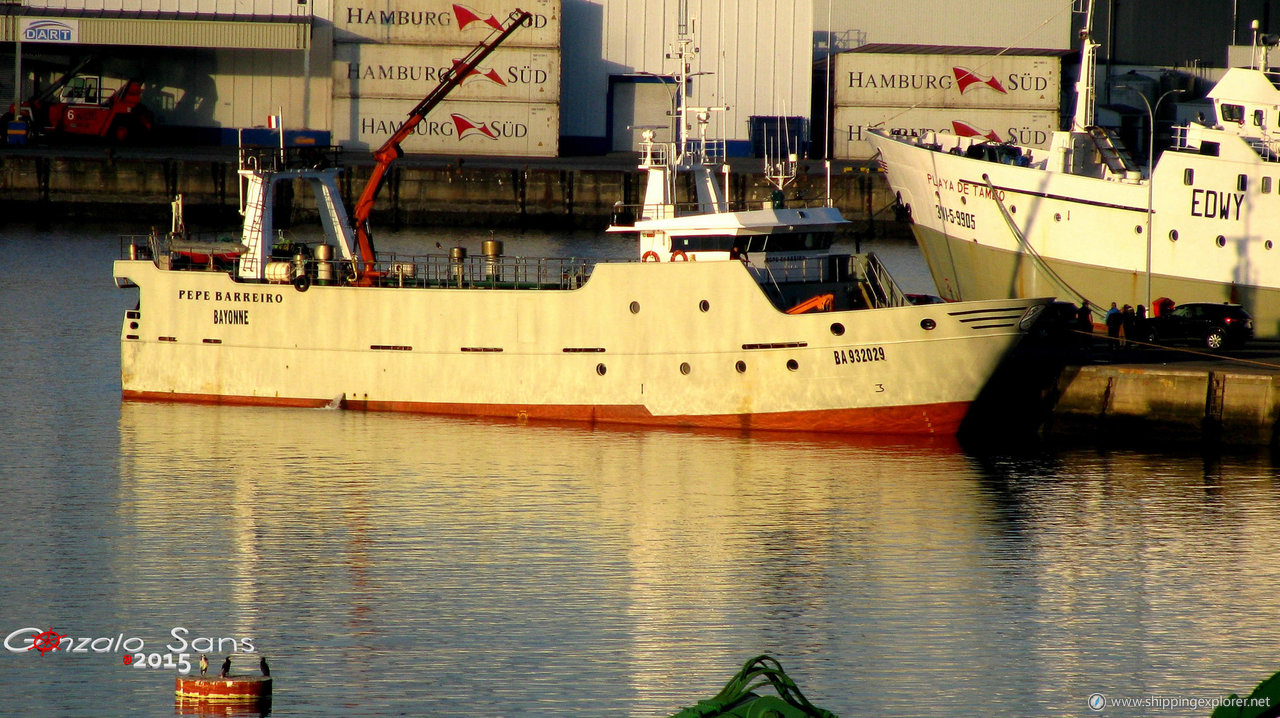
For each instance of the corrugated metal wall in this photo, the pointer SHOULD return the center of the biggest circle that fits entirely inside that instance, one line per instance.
(760, 50)
(224, 9)
(198, 33)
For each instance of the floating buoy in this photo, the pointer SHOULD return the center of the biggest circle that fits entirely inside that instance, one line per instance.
(232, 689)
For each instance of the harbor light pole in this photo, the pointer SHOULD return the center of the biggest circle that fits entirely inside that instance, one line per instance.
(1151, 167)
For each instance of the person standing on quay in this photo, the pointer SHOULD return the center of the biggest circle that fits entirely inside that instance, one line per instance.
(1084, 322)
(1114, 321)
(1127, 321)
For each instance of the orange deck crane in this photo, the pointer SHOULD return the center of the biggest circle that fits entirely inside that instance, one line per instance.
(390, 150)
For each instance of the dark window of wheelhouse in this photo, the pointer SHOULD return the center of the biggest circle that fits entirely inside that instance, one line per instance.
(720, 243)
(794, 242)
(1233, 113)
(1188, 176)
(1257, 118)
(787, 242)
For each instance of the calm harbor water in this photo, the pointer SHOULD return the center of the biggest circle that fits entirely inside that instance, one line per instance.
(406, 565)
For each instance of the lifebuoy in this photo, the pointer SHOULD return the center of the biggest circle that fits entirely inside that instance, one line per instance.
(302, 282)
(650, 256)
(679, 256)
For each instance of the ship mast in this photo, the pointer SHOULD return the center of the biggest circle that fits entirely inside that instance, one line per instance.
(1083, 118)
(696, 156)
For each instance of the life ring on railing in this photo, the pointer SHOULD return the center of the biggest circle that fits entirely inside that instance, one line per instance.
(679, 256)
(302, 282)
(650, 256)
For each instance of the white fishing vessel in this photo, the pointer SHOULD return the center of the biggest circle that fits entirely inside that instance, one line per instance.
(1082, 220)
(758, 325)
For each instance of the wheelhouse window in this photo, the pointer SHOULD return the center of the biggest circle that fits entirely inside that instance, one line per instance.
(1233, 113)
(787, 242)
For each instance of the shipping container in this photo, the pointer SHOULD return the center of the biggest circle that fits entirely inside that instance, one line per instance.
(872, 79)
(440, 22)
(509, 129)
(1025, 127)
(996, 23)
(511, 74)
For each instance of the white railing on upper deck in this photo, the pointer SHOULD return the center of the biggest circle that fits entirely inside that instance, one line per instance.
(1267, 148)
(654, 154)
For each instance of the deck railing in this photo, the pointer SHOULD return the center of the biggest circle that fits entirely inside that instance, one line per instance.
(780, 278)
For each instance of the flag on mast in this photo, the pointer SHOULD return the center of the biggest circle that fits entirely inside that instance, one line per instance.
(273, 122)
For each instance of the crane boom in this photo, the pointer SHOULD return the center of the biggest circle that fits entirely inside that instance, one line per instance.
(390, 150)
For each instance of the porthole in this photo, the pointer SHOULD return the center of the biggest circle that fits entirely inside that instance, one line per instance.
(1137, 229)
(837, 329)
(741, 366)
(134, 325)
(704, 305)
(964, 200)
(1013, 209)
(792, 365)
(928, 324)
(635, 307)
(1057, 216)
(1220, 241)
(1268, 244)
(600, 369)
(684, 368)
(1173, 235)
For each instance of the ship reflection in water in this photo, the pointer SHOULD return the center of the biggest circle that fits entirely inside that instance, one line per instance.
(400, 563)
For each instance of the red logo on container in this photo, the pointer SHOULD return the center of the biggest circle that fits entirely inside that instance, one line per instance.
(966, 79)
(466, 126)
(489, 74)
(964, 129)
(467, 15)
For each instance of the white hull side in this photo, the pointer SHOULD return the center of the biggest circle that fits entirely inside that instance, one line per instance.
(1092, 232)
(540, 353)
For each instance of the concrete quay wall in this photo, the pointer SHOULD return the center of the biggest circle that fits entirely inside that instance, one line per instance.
(1137, 404)
(417, 191)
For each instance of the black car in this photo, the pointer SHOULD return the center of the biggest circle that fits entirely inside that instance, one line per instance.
(1213, 326)
(1059, 320)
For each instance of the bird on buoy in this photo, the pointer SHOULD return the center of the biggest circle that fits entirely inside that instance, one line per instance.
(204, 663)
(262, 663)
(226, 667)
